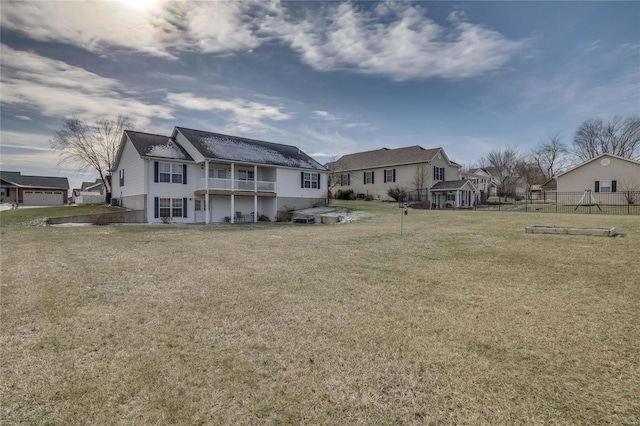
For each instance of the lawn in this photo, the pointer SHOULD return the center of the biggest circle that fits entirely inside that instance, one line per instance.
(462, 319)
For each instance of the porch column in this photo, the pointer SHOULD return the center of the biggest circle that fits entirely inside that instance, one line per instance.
(458, 198)
(255, 197)
(233, 200)
(233, 207)
(207, 216)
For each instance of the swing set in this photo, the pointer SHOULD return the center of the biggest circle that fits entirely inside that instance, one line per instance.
(587, 200)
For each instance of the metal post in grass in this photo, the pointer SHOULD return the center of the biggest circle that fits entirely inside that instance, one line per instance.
(403, 213)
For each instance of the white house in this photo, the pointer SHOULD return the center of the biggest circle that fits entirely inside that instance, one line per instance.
(195, 176)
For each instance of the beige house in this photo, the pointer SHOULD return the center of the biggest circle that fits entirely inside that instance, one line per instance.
(602, 175)
(374, 173)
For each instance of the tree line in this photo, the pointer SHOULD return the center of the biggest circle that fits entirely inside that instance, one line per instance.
(510, 165)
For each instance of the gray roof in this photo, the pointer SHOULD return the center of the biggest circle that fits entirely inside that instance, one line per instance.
(150, 145)
(449, 185)
(385, 157)
(233, 148)
(18, 179)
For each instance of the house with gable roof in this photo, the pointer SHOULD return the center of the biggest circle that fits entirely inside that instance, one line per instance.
(412, 168)
(33, 190)
(195, 176)
(602, 175)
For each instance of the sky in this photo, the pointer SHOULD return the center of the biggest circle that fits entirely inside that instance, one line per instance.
(331, 78)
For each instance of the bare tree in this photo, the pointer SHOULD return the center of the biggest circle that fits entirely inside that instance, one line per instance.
(550, 157)
(530, 173)
(621, 136)
(91, 146)
(421, 179)
(339, 173)
(504, 164)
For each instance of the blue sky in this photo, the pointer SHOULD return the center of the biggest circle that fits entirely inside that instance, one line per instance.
(329, 77)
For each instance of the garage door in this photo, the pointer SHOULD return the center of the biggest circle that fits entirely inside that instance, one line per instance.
(42, 198)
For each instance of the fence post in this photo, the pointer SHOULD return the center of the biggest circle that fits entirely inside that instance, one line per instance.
(628, 202)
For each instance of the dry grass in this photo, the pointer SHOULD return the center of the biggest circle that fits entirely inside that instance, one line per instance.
(463, 319)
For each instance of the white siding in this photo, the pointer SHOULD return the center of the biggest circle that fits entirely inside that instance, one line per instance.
(288, 184)
(171, 190)
(134, 172)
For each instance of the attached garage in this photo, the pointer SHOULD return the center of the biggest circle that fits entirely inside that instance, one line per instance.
(42, 198)
(33, 190)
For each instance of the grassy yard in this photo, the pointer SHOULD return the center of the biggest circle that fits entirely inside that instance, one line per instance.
(463, 319)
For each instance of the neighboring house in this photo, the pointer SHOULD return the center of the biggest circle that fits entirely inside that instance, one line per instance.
(90, 193)
(453, 193)
(33, 190)
(601, 175)
(195, 176)
(482, 181)
(374, 173)
(550, 185)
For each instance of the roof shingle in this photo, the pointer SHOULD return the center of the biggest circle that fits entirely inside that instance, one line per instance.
(386, 157)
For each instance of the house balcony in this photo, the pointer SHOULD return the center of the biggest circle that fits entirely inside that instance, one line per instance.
(235, 187)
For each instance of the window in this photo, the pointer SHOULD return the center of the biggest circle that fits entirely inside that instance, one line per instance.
(218, 173)
(2, 194)
(451, 197)
(368, 177)
(438, 173)
(198, 204)
(176, 207)
(390, 175)
(245, 175)
(171, 207)
(345, 180)
(122, 177)
(170, 173)
(165, 207)
(310, 180)
(606, 186)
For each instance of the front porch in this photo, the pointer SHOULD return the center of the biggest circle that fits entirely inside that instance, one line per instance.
(458, 194)
(233, 208)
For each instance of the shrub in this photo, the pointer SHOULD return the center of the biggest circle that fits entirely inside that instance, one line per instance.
(395, 193)
(345, 194)
(285, 214)
(368, 197)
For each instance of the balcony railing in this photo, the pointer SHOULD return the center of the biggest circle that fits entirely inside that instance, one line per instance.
(238, 185)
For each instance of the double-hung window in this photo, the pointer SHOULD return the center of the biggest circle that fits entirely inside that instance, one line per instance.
(245, 175)
(390, 175)
(606, 186)
(170, 207)
(170, 173)
(438, 173)
(368, 177)
(218, 173)
(345, 180)
(310, 180)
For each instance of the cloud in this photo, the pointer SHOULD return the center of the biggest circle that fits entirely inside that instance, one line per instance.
(240, 114)
(57, 89)
(159, 30)
(92, 25)
(397, 41)
(390, 39)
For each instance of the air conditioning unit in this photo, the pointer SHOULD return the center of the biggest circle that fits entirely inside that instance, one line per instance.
(115, 202)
